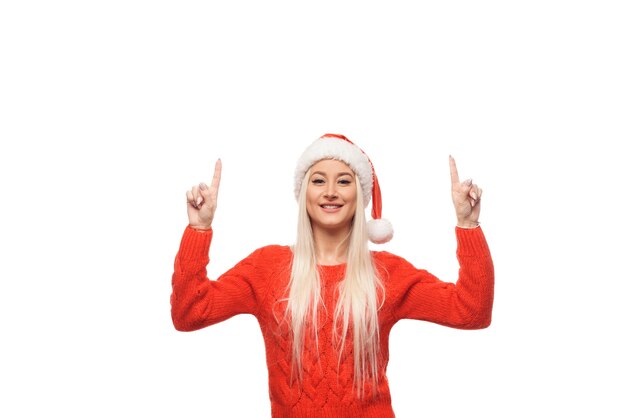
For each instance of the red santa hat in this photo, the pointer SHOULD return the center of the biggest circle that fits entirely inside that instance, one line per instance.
(338, 147)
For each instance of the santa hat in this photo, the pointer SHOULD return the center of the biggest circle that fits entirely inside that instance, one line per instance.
(338, 147)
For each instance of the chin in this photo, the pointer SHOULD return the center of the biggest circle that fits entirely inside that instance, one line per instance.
(334, 226)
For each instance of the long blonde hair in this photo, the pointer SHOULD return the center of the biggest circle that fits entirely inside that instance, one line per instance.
(356, 311)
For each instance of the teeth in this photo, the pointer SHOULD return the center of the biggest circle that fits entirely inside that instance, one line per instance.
(331, 206)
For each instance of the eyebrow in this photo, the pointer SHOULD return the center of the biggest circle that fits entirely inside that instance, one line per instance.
(344, 173)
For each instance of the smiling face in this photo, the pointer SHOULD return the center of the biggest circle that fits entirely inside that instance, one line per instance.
(331, 196)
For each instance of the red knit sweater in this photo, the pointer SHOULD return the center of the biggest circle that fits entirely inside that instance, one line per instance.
(257, 284)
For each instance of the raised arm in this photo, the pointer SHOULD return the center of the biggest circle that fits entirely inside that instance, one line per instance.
(468, 302)
(197, 301)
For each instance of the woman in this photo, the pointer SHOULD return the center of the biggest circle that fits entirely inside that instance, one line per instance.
(326, 305)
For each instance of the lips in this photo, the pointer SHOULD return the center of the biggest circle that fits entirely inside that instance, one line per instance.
(331, 207)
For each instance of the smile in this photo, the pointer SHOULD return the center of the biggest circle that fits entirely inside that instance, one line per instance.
(331, 208)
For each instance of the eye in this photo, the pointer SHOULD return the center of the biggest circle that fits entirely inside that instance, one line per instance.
(344, 182)
(317, 181)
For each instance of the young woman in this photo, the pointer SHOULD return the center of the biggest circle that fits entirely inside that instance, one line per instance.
(326, 304)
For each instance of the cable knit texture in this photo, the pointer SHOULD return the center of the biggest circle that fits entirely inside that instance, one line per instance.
(257, 286)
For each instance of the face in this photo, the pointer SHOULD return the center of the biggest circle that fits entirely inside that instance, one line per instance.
(331, 195)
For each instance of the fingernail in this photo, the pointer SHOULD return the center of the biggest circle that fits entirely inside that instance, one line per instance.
(473, 195)
(203, 186)
(198, 200)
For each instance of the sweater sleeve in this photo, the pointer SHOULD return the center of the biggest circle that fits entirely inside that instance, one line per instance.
(466, 304)
(198, 302)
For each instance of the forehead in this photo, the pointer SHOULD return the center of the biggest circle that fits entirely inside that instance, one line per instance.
(331, 166)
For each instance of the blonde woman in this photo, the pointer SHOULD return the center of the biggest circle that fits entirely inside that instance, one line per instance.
(326, 304)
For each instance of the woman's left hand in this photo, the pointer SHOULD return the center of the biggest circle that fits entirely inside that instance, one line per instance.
(466, 199)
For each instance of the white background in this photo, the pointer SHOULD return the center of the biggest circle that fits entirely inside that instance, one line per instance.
(109, 111)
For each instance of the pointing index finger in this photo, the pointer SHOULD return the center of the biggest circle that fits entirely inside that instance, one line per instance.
(454, 174)
(217, 175)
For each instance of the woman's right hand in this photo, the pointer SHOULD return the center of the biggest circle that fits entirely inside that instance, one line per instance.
(202, 201)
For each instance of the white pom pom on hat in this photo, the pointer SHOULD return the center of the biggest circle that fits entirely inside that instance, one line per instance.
(340, 148)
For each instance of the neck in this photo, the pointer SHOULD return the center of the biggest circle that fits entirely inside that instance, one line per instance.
(331, 247)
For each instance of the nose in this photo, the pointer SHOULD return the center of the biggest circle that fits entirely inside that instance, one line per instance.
(330, 192)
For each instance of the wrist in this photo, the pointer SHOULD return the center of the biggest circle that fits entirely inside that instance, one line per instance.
(200, 228)
(467, 224)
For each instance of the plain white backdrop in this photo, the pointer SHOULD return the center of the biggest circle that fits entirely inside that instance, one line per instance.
(110, 111)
